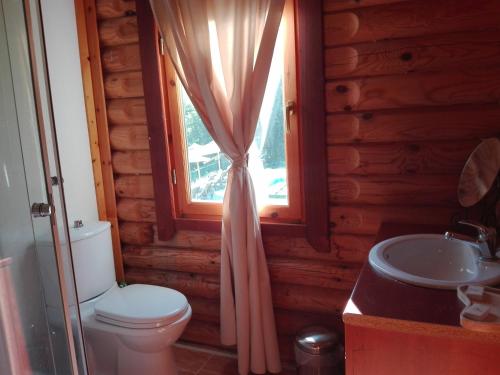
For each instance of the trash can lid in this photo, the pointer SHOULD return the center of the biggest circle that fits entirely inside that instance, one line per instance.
(316, 340)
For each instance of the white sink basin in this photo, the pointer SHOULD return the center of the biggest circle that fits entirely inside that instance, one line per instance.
(432, 261)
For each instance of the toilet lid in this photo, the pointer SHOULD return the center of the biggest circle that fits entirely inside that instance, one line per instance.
(141, 306)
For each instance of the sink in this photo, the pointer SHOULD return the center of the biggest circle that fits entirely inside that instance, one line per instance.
(432, 261)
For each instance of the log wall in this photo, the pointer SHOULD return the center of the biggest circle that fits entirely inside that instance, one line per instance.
(411, 88)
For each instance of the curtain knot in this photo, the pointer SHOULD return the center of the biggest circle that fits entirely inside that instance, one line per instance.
(240, 162)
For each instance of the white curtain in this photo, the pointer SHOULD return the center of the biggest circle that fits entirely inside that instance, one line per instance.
(222, 51)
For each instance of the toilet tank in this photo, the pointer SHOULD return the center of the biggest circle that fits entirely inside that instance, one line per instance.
(93, 263)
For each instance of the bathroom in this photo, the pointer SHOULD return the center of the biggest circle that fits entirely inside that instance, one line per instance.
(122, 251)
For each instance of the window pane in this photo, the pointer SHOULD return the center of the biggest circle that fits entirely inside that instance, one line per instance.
(208, 167)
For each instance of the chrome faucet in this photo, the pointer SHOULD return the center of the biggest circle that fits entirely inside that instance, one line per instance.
(486, 239)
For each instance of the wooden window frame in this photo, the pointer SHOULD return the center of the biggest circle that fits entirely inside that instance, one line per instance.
(311, 115)
(203, 210)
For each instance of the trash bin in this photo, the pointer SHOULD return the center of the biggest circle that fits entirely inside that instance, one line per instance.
(318, 351)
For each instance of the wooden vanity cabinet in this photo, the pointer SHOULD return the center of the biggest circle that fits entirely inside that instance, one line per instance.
(416, 349)
(393, 328)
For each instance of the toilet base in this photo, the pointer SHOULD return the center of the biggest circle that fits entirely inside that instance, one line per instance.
(116, 350)
(132, 363)
(108, 355)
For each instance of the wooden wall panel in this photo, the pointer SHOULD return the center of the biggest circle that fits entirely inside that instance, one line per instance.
(132, 162)
(399, 159)
(140, 210)
(410, 19)
(115, 8)
(127, 138)
(123, 85)
(282, 270)
(423, 54)
(463, 86)
(336, 5)
(118, 31)
(127, 111)
(121, 58)
(366, 219)
(469, 122)
(411, 87)
(394, 190)
(134, 186)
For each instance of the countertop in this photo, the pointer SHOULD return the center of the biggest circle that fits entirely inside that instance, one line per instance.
(381, 302)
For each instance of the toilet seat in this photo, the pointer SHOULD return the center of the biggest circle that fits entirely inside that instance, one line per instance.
(141, 306)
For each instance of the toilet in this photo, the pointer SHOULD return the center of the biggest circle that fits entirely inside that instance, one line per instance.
(129, 330)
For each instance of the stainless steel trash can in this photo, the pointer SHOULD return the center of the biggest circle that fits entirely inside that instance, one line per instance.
(318, 352)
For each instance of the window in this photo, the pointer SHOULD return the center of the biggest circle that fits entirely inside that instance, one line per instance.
(310, 111)
(201, 170)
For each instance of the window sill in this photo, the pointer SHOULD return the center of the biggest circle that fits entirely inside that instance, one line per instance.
(268, 229)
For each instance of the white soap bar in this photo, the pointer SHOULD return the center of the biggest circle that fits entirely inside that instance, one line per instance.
(477, 311)
(475, 291)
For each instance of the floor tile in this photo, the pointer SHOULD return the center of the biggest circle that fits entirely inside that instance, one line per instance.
(190, 361)
(193, 361)
(219, 365)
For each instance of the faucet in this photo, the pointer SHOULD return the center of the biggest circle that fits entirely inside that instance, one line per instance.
(486, 239)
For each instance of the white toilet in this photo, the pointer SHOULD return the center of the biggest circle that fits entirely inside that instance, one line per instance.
(127, 330)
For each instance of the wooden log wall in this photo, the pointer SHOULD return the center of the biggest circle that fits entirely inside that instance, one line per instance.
(411, 88)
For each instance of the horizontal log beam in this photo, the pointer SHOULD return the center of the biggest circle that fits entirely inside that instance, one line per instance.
(189, 239)
(281, 270)
(285, 296)
(337, 5)
(121, 58)
(205, 286)
(466, 86)
(127, 111)
(139, 210)
(413, 125)
(206, 333)
(205, 309)
(415, 55)
(131, 162)
(309, 299)
(349, 248)
(129, 138)
(366, 220)
(313, 273)
(345, 249)
(400, 159)
(298, 248)
(170, 259)
(410, 19)
(123, 85)
(394, 190)
(134, 186)
(288, 322)
(136, 233)
(118, 31)
(115, 8)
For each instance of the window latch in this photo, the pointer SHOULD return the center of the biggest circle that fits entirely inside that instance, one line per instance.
(290, 110)
(161, 43)
(174, 177)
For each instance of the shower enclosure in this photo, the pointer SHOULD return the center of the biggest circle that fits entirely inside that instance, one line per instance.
(40, 330)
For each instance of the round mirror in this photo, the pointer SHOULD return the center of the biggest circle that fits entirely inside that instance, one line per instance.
(479, 173)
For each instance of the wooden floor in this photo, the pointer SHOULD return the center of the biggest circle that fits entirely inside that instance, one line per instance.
(193, 360)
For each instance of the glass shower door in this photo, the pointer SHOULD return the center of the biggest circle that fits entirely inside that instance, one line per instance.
(38, 313)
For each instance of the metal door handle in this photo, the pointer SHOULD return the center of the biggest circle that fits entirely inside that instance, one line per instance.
(41, 210)
(289, 111)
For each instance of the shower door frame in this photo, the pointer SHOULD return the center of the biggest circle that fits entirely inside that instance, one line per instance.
(39, 71)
